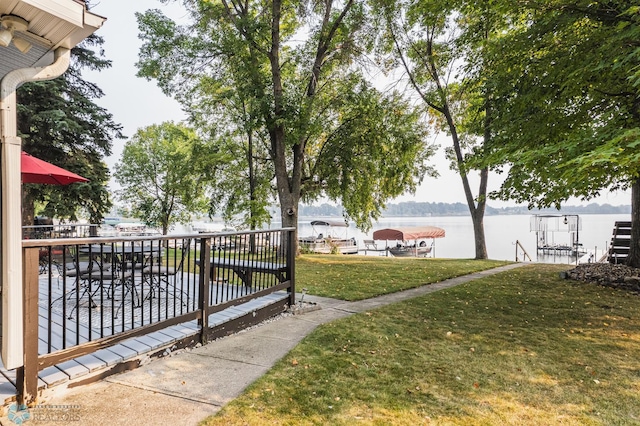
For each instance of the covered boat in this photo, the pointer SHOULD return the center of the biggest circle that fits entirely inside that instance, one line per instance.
(329, 236)
(411, 241)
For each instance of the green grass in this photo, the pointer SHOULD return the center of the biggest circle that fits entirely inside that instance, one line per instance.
(363, 277)
(519, 348)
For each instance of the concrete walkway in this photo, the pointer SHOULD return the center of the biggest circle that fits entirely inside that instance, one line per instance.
(188, 386)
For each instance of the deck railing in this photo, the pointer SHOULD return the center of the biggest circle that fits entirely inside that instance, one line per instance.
(84, 294)
(71, 230)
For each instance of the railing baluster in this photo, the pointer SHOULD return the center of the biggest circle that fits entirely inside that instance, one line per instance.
(203, 296)
(130, 292)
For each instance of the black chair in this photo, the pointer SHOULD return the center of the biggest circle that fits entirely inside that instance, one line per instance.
(68, 263)
(109, 279)
(157, 274)
(71, 269)
(92, 274)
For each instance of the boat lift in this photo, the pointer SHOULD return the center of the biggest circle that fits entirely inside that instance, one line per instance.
(546, 226)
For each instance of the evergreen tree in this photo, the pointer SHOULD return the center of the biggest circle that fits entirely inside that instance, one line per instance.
(59, 122)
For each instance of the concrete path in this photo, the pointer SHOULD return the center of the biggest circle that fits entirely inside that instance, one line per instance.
(190, 385)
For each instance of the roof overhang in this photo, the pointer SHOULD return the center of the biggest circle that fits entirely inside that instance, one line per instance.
(50, 24)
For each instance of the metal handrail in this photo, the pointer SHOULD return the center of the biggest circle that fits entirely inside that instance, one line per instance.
(98, 240)
(135, 301)
(524, 252)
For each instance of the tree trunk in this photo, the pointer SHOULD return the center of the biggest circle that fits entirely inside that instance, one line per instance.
(289, 217)
(475, 208)
(28, 209)
(633, 259)
(478, 231)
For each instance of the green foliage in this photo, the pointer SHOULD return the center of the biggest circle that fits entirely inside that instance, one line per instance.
(283, 74)
(161, 172)
(440, 47)
(568, 101)
(60, 123)
(374, 150)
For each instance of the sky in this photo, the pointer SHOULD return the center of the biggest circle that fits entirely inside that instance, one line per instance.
(136, 103)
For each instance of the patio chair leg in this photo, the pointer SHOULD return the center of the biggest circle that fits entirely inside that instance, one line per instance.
(128, 287)
(155, 287)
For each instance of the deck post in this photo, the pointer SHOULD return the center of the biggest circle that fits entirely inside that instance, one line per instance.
(204, 284)
(291, 262)
(27, 375)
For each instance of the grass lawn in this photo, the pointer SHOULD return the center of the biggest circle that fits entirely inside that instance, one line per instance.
(519, 348)
(363, 277)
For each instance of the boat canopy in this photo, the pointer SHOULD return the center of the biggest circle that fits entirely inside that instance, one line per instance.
(408, 233)
(329, 223)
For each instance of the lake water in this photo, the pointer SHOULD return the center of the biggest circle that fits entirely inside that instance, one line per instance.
(501, 233)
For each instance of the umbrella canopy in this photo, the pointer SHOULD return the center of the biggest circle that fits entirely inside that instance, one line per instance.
(408, 233)
(35, 170)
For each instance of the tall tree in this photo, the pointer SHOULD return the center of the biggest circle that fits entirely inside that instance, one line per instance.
(329, 132)
(241, 189)
(161, 172)
(567, 110)
(60, 123)
(439, 47)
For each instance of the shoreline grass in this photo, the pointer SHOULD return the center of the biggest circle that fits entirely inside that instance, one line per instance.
(362, 277)
(522, 347)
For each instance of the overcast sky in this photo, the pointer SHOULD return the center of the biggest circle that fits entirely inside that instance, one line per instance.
(136, 103)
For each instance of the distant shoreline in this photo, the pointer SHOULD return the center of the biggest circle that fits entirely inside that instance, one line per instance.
(424, 209)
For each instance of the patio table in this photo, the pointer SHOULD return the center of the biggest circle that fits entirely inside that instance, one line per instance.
(136, 256)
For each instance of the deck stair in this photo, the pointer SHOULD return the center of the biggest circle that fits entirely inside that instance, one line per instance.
(620, 243)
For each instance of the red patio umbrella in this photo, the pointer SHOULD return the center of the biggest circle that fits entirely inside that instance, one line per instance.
(35, 170)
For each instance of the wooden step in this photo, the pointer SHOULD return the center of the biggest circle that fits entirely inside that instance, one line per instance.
(620, 242)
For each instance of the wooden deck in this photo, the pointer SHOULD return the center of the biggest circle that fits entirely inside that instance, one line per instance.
(57, 331)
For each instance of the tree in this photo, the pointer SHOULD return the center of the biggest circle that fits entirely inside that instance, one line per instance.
(439, 46)
(60, 123)
(162, 174)
(567, 107)
(328, 131)
(241, 190)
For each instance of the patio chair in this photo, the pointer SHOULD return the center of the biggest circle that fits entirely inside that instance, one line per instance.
(157, 274)
(90, 277)
(71, 270)
(66, 262)
(108, 280)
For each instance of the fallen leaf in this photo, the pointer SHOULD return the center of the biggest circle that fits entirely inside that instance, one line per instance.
(294, 362)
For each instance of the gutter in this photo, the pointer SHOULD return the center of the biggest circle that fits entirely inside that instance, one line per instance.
(11, 205)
